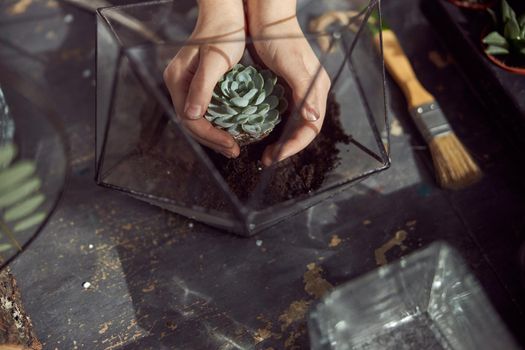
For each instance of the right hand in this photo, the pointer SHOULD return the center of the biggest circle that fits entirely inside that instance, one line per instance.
(193, 73)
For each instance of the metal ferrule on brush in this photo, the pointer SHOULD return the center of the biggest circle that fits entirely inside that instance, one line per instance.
(430, 121)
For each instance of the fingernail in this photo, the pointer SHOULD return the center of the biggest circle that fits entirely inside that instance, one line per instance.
(311, 115)
(193, 111)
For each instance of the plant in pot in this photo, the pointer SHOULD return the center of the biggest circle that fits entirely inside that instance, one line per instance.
(145, 150)
(478, 5)
(505, 46)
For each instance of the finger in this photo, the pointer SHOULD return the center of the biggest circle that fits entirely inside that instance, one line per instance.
(215, 138)
(178, 76)
(304, 132)
(213, 63)
(227, 152)
(303, 73)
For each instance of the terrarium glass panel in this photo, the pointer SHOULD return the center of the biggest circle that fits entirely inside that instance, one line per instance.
(143, 149)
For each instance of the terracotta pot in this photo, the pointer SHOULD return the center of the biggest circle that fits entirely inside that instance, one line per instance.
(496, 60)
(473, 6)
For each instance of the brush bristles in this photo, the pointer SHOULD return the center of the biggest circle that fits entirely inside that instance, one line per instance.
(455, 168)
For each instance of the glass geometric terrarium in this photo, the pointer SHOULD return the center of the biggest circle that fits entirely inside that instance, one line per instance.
(144, 151)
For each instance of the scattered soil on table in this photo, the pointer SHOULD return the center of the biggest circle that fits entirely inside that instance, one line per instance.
(295, 176)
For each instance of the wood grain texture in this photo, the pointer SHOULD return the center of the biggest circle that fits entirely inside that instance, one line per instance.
(401, 70)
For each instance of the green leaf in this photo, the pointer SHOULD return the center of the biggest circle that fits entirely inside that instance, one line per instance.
(254, 130)
(250, 94)
(19, 192)
(241, 118)
(240, 102)
(263, 108)
(5, 247)
(31, 221)
(512, 29)
(268, 86)
(258, 81)
(249, 110)
(24, 208)
(496, 50)
(496, 39)
(283, 105)
(278, 91)
(221, 111)
(521, 20)
(273, 115)
(507, 12)
(7, 154)
(243, 77)
(273, 101)
(260, 99)
(16, 173)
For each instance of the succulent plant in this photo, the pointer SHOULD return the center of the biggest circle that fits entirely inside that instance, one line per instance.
(510, 39)
(247, 103)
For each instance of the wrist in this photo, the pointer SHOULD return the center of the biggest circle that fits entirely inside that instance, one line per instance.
(227, 9)
(268, 12)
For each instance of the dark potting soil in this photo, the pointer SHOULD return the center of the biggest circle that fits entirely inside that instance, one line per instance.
(295, 176)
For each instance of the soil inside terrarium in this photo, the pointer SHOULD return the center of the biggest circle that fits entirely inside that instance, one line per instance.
(161, 168)
(298, 175)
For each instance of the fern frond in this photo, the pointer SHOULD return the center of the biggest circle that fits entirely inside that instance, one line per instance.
(20, 196)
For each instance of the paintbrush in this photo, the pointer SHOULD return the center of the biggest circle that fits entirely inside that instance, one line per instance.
(454, 166)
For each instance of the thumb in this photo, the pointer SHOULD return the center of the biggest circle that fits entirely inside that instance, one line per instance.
(212, 66)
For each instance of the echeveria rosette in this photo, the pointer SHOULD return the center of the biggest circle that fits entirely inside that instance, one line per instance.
(247, 103)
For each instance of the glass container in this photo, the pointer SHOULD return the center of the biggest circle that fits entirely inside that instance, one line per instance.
(144, 151)
(428, 300)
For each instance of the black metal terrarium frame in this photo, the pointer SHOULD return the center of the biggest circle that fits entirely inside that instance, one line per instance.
(130, 51)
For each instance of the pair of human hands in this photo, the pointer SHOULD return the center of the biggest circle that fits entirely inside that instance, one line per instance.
(222, 27)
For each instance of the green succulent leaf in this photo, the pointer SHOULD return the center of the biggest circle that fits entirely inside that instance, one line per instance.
(496, 50)
(510, 39)
(521, 20)
(512, 29)
(507, 12)
(496, 39)
(247, 103)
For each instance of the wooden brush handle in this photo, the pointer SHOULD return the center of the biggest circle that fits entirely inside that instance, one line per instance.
(399, 67)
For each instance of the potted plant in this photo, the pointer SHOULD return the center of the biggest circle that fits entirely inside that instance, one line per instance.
(478, 5)
(144, 150)
(505, 45)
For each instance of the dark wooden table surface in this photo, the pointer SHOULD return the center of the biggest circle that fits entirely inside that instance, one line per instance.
(160, 281)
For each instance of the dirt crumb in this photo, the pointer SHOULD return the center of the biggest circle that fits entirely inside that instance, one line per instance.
(314, 283)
